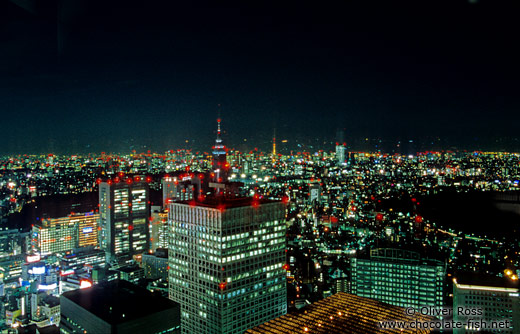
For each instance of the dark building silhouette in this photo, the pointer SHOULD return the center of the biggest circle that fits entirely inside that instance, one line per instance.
(118, 307)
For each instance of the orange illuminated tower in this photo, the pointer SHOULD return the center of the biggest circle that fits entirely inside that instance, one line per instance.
(274, 145)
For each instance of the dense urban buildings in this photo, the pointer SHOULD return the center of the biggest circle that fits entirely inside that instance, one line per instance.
(364, 227)
(200, 167)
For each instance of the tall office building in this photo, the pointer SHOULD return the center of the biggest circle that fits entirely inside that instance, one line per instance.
(496, 298)
(340, 153)
(400, 278)
(124, 212)
(226, 259)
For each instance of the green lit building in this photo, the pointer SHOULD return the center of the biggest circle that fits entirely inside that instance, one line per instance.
(399, 277)
(226, 261)
(496, 300)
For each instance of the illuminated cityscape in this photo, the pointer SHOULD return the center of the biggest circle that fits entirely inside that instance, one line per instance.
(227, 168)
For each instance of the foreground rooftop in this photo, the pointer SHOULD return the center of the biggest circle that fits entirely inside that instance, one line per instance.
(119, 301)
(341, 313)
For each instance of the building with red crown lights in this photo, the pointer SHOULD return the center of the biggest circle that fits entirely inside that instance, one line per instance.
(226, 259)
(124, 211)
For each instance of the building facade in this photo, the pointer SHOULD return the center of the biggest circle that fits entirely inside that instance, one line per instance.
(60, 235)
(124, 212)
(400, 278)
(158, 229)
(497, 299)
(226, 264)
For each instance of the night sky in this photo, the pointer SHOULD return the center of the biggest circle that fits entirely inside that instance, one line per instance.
(149, 75)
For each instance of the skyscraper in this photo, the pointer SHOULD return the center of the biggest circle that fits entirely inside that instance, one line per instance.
(340, 153)
(226, 259)
(124, 211)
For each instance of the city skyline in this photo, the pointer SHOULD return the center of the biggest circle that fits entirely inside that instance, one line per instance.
(228, 167)
(246, 241)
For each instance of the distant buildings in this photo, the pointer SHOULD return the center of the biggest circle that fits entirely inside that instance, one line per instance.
(342, 313)
(81, 259)
(315, 193)
(226, 259)
(156, 265)
(158, 229)
(131, 273)
(117, 307)
(180, 188)
(495, 299)
(340, 153)
(124, 212)
(400, 278)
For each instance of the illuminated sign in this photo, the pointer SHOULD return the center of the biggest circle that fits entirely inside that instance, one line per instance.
(67, 272)
(37, 271)
(33, 258)
(47, 286)
(87, 230)
(83, 284)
